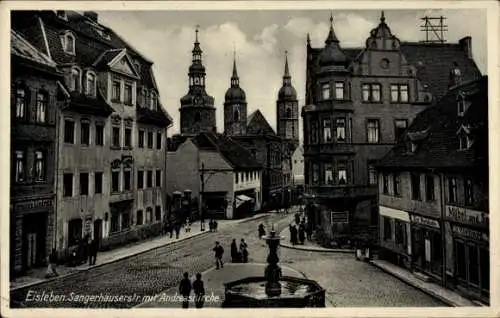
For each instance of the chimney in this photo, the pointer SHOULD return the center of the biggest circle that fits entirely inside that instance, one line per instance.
(91, 15)
(466, 45)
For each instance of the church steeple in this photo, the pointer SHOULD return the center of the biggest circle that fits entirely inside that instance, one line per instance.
(235, 80)
(331, 35)
(287, 79)
(235, 106)
(287, 110)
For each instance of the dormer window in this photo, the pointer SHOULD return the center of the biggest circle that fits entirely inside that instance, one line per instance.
(90, 87)
(154, 101)
(68, 43)
(75, 79)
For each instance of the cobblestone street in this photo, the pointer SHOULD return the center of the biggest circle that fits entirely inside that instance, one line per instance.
(348, 282)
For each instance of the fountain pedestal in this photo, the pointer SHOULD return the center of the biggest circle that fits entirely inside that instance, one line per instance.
(273, 289)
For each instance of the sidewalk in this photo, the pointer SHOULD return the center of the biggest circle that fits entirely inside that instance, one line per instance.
(311, 246)
(214, 281)
(37, 276)
(445, 295)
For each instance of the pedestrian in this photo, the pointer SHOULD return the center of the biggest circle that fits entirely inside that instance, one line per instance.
(51, 269)
(188, 225)
(291, 231)
(294, 235)
(262, 231)
(297, 218)
(177, 229)
(309, 231)
(234, 251)
(185, 290)
(171, 228)
(199, 291)
(92, 251)
(215, 225)
(244, 251)
(211, 225)
(302, 233)
(219, 252)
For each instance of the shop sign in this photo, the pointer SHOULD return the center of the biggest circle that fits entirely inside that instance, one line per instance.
(467, 216)
(33, 205)
(417, 219)
(474, 235)
(339, 217)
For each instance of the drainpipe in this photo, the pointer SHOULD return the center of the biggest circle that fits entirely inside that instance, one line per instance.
(443, 231)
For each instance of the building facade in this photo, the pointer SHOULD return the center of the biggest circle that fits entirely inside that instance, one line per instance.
(358, 103)
(434, 211)
(36, 94)
(111, 139)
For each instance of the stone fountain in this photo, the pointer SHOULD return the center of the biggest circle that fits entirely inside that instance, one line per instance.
(273, 289)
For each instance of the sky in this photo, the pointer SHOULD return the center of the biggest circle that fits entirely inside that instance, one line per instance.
(260, 39)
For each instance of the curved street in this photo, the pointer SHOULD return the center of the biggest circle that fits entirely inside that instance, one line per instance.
(349, 283)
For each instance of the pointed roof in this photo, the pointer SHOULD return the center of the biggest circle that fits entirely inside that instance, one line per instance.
(235, 93)
(331, 35)
(332, 54)
(287, 91)
(287, 71)
(258, 125)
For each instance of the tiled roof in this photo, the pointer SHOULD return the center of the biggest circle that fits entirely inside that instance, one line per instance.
(440, 149)
(106, 57)
(237, 155)
(22, 48)
(258, 125)
(147, 115)
(90, 106)
(432, 61)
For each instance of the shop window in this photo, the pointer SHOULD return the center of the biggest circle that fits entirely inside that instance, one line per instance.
(42, 100)
(429, 188)
(396, 184)
(387, 229)
(115, 181)
(460, 260)
(385, 185)
(140, 179)
(99, 134)
(84, 183)
(452, 190)
(69, 132)
(340, 129)
(469, 192)
(401, 238)
(328, 173)
(373, 131)
(158, 178)
(158, 213)
(150, 139)
(127, 179)
(327, 132)
(415, 186)
(40, 165)
(149, 178)
(75, 230)
(68, 185)
(98, 182)
(141, 139)
(85, 132)
(115, 142)
(140, 217)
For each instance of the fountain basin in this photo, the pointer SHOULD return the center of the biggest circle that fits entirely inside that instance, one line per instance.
(250, 292)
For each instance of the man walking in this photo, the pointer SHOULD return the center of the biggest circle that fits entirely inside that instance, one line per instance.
(244, 251)
(92, 251)
(185, 290)
(219, 252)
(199, 291)
(51, 270)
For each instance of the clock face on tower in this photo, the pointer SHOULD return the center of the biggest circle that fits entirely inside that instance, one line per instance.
(197, 100)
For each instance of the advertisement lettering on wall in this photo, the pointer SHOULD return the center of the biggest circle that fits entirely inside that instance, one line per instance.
(467, 216)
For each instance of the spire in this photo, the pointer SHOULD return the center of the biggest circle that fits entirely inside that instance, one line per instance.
(331, 35)
(235, 81)
(197, 49)
(286, 76)
(197, 30)
(382, 17)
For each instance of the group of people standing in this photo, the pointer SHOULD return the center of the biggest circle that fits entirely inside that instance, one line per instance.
(300, 229)
(241, 255)
(198, 287)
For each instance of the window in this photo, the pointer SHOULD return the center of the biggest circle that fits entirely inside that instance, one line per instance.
(340, 129)
(127, 180)
(69, 132)
(236, 177)
(236, 115)
(149, 215)
(99, 134)
(90, 87)
(115, 181)
(469, 192)
(387, 228)
(140, 217)
(463, 141)
(339, 90)
(20, 103)
(288, 112)
(400, 233)
(373, 127)
(39, 166)
(116, 91)
(154, 101)
(149, 179)
(452, 190)
(314, 132)
(372, 174)
(158, 213)
(116, 137)
(128, 137)
(429, 188)
(371, 92)
(141, 138)
(399, 93)
(342, 172)
(98, 182)
(150, 139)
(20, 163)
(42, 99)
(415, 186)
(69, 44)
(328, 173)
(75, 230)
(84, 183)
(327, 133)
(75, 79)
(125, 220)
(158, 140)
(68, 184)
(385, 184)
(400, 126)
(128, 94)
(158, 178)
(140, 179)
(396, 184)
(325, 91)
(85, 133)
(315, 168)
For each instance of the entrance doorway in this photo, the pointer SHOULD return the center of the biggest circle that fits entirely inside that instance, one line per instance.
(98, 232)
(34, 240)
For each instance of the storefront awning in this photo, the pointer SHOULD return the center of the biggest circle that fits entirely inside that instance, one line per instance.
(240, 199)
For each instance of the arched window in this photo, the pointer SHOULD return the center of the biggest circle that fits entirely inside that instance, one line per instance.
(236, 115)
(288, 112)
(90, 87)
(21, 98)
(75, 79)
(69, 43)
(42, 100)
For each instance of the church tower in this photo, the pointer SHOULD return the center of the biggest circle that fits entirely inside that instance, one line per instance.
(197, 107)
(235, 107)
(287, 107)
